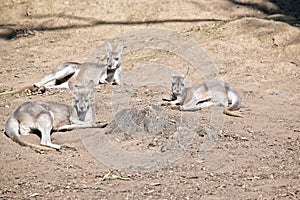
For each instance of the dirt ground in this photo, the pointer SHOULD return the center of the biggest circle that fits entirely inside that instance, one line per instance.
(256, 157)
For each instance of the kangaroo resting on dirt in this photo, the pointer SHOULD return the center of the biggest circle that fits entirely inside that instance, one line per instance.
(81, 72)
(47, 117)
(211, 93)
(84, 72)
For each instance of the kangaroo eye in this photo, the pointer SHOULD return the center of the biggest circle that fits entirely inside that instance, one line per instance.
(116, 59)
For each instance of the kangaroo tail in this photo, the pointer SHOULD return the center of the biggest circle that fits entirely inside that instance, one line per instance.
(16, 138)
(230, 113)
(31, 88)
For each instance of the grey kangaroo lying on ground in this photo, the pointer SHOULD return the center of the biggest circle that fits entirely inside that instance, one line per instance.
(212, 93)
(47, 117)
(82, 72)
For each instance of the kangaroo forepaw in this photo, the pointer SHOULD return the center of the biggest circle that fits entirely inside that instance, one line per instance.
(100, 125)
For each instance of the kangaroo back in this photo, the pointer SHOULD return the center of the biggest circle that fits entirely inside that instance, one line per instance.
(46, 117)
(91, 72)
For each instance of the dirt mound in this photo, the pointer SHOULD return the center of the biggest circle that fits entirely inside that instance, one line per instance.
(149, 120)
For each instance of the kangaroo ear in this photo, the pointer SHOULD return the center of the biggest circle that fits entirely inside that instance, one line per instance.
(73, 88)
(185, 74)
(108, 47)
(120, 47)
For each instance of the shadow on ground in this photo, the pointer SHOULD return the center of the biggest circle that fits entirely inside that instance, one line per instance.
(12, 33)
(289, 8)
(287, 11)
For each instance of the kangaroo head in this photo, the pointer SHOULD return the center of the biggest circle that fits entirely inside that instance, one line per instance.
(81, 98)
(113, 57)
(178, 84)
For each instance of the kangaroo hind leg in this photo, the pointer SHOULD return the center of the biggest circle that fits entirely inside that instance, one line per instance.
(60, 73)
(45, 125)
(190, 106)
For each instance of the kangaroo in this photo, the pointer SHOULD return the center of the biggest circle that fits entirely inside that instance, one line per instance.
(84, 72)
(81, 72)
(114, 63)
(99, 73)
(196, 97)
(47, 117)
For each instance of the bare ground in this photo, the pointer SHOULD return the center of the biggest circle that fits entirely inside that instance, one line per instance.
(257, 157)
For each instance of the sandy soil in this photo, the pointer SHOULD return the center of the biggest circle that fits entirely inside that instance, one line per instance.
(256, 157)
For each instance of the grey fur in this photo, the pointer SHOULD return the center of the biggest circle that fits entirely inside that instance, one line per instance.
(211, 93)
(114, 63)
(49, 116)
(84, 72)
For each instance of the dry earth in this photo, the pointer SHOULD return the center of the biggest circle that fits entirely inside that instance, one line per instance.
(256, 157)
